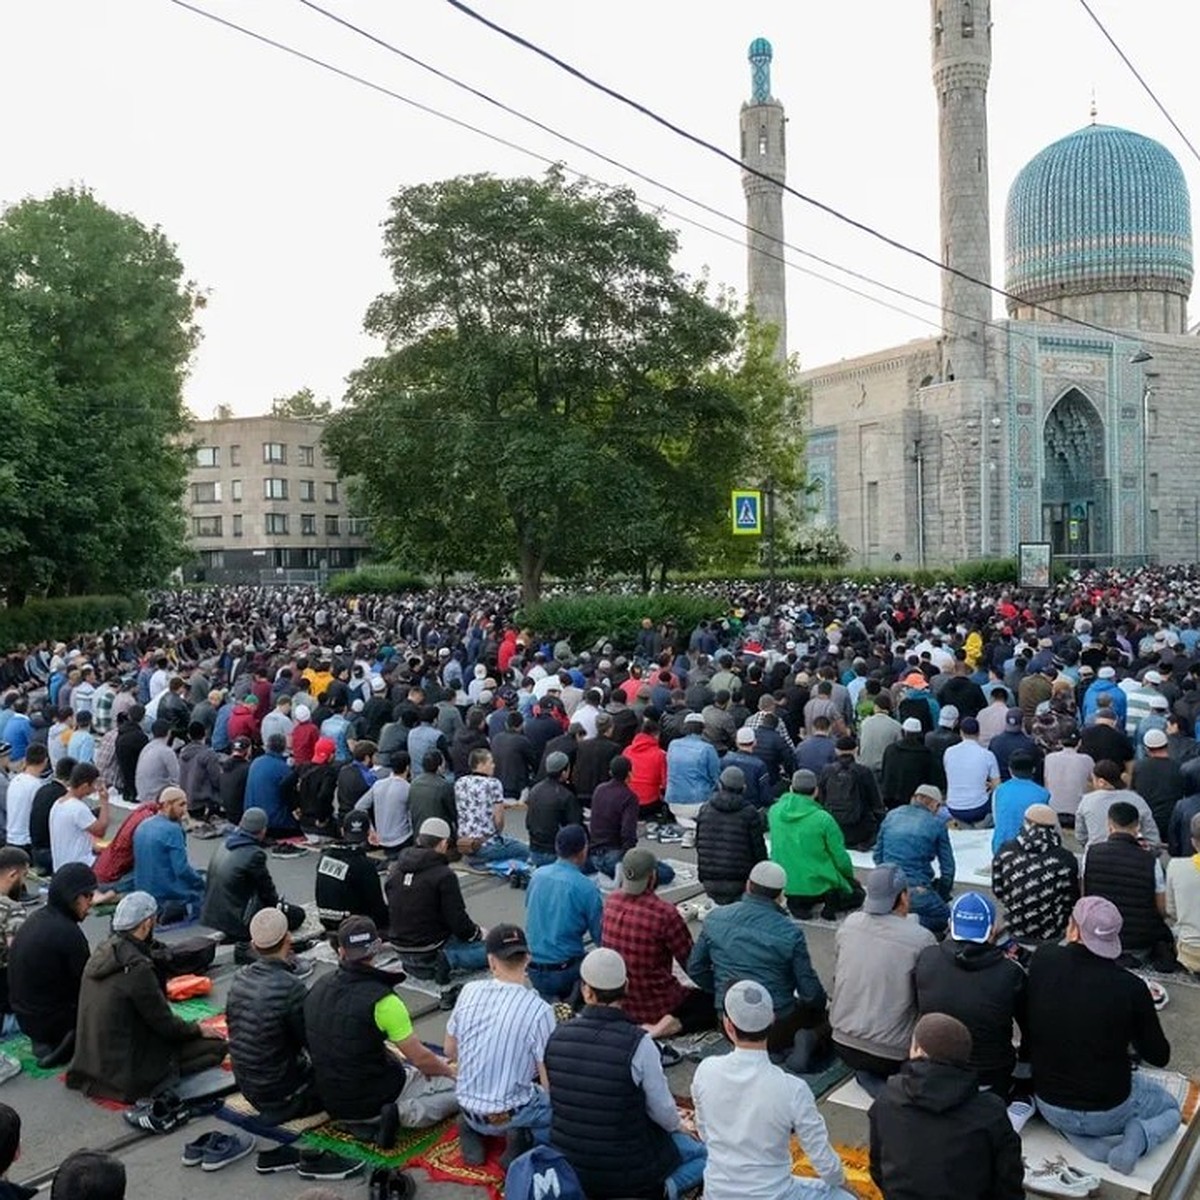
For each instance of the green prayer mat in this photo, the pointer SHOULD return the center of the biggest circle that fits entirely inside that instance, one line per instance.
(195, 1009)
(21, 1048)
(409, 1144)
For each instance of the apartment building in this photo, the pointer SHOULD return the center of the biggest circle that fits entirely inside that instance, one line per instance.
(264, 504)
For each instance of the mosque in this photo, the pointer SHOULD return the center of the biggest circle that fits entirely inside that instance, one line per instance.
(1075, 421)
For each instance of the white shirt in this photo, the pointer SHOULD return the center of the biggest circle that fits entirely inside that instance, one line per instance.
(968, 768)
(586, 715)
(70, 818)
(746, 1111)
(21, 791)
(158, 682)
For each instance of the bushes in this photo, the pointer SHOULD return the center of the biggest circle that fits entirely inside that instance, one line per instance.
(41, 620)
(966, 574)
(586, 620)
(380, 580)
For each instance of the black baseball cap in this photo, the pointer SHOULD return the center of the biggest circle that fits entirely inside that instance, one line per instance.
(506, 941)
(356, 827)
(359, 938)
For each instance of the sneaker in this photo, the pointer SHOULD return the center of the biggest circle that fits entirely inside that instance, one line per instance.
(688, 840)
(1056, 1177)
(288, 850)
(652, 828)
(391, 1183)
(302, 968)
(226, 1148)
(670, 1056)
(670, 834)
(158, 1115)
(193, 1152)
(1158, 994)
(278, 1158)
(1019, 1112)
(9, 1067)
(324, 1164)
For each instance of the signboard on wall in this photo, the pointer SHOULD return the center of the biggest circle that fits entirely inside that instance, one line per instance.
(1033, 564)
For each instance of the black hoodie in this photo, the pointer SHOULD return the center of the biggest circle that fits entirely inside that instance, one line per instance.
(936, 1136)
(425, 903)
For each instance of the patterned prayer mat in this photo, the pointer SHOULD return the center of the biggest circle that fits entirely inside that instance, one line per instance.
(443, 1163)
(409, 1144)
(237, 1110)
(855, 1162)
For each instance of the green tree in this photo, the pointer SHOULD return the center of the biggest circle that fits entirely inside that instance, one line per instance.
(302, 405)
(96, 329)
(550, 384)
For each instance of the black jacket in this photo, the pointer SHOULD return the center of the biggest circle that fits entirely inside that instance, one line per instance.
(550, 806)
(232, 787)
(516, 761)
(432, 795)
(238, 885)
(906, 765)
(45, 967)
(985, 990)
(935, 1136)
(348, 885)
(267, 1042)
(425, 902)
(316, 790)
(1159, 782)
(130, 740)
(729, 841)
(591, 765)
(461, 745)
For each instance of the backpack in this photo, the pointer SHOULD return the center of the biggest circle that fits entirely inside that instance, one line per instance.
(843, 796)
(542, 1173)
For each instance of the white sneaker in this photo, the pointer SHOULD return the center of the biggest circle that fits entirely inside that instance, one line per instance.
(688, 840)
(1056, 1177)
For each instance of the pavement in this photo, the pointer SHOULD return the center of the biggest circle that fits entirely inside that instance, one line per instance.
(57, 1121)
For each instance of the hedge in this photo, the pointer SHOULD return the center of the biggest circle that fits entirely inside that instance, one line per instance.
(379, 580)
(58, 620)
(588, 620)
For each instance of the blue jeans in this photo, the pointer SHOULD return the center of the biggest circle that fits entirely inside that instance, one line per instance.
(554, 985)
(606, 862)
(932, 911)
(534, 1116)
(497, 849)
(465, 956)
(693, 1155)
(539, 858)
(1095, 1134)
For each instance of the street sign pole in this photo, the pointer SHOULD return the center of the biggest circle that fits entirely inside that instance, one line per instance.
(771, 547)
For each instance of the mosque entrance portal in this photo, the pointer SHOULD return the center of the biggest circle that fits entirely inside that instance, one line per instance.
(1075, 510)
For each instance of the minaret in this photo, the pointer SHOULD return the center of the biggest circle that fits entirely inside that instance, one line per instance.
(763, 150)
(962, 62)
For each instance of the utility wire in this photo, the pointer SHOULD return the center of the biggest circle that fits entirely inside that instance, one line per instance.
(1162, 108)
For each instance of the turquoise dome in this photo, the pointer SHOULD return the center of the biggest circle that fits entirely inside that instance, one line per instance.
(1102, 210)
(760, 48)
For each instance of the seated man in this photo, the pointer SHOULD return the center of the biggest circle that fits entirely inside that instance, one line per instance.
(748, 1111)
(756, 939)
(268, 1045)
(14, 867)
(614, 818)
(848, 792)
(613, 1115)
(874, 1004)
(650, 935)
(1131, 876)
(369, 1064)
(501, 1093)
(1183, 903)
(551, 806)
(45, 965)
(160, 860)
(808, 843)
(239, 884)
(911, 837)
(970, 978)
(1011, 799)
(128, 1042)
(387, 802)
(479, 801)
(934, 1133)
(114, 866)
(729, 839)
(347, 881)
(1085, 1013)
(427, 917)
(1036, 878)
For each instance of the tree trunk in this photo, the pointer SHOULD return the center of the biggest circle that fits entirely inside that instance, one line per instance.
(530, 567)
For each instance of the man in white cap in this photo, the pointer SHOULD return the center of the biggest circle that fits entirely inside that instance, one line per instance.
(1139, 699)
(759, 790)
(1085, 1012)
(613, 1115)
(1157, 778)
(748, 1110)
(907, 764)
(1105, 685)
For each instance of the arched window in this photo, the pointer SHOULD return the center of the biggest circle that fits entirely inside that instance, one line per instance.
(762, 140)
(968, 20)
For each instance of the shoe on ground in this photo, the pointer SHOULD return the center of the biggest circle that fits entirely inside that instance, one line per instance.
(670, 834)
(1019, 1112)
(161, 1114)
(401, 1185)
(1056, 1177)
(688, 840)
(470, 1144)
(302, 968)
(226, 1148)
(278, 1158)
(389, 1127)
(193, 1152)
(324, 1164)
(670, 1056)
(449, 997)
(288, 850)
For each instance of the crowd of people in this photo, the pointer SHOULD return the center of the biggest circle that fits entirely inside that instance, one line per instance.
(397, 735)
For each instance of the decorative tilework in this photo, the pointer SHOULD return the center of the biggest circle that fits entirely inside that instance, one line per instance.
(760, 71)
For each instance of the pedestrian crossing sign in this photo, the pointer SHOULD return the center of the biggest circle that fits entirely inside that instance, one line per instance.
(746, 507)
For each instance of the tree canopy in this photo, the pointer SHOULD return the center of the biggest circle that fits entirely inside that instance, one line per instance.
(554, 395)
(301, 404)
(96, 329)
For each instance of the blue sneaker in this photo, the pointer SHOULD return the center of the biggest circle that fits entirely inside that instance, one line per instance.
(193, 1152)
(226, 1148)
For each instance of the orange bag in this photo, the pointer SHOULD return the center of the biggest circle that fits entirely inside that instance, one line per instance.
(184, 987)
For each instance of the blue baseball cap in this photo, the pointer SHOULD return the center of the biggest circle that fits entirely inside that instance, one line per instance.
(972, 918)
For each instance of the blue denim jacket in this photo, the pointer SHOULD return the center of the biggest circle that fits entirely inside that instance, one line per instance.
(911, 837)
(693, 769)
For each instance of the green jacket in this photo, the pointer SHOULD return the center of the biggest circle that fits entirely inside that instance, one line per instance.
(808, 844)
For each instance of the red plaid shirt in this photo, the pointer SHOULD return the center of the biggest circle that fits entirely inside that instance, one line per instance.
(648, 933)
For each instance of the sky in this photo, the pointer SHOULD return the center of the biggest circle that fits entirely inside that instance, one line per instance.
(272, 176)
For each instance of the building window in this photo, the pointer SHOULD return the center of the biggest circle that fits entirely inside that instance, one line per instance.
(335, 556)
(332, 526)
(1152, 525)
(312, 557)
(237, 524)
(235, 490)
(274, 452)
(206, 493)
(306, 456)
(206, 526)
(872, 516)
(357, 526)
(308, 524)
(235, 456)
(308, 490)
(277, 523)
(212, 560)
(274, 489)
(1154, 483)
(331, 492)
(968, 20)
(208, 456)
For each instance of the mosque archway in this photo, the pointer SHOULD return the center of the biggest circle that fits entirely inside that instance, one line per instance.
(1076, 518)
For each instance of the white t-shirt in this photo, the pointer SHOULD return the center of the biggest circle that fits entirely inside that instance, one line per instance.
(968, 768)
(70, 818)
(21, 791)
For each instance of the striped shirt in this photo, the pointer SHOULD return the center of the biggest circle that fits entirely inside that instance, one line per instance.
(502, 1030)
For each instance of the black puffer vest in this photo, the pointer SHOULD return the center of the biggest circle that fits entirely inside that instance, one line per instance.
(356, 1073)
(600, 1121)
(729, 841)
(269, 1063)
(1121, 871)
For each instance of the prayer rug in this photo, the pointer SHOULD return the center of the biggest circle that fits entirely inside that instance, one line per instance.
(409, 1144)
(855, 1162)
(20, 1048)
(195, 1009)
(443, 1163)
(237, 1110)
